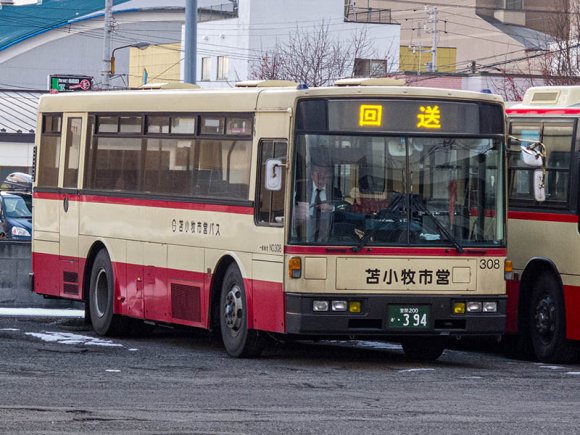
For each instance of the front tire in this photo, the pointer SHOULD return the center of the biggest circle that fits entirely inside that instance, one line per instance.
(424, 348)
(101, 297)
(239, 341)
(547, 320)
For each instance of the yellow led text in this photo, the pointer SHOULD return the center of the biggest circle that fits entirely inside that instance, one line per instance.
(430, 117)
(370, 115)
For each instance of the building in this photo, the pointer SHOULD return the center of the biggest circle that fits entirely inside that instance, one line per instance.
(229, 49)
(65, 37)
(472, 36)
(18, 111)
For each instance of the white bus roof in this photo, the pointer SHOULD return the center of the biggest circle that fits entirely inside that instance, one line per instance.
(551, 96)
(233, 100)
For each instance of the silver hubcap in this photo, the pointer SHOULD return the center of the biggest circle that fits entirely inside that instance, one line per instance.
(234, 309)
(101, 293)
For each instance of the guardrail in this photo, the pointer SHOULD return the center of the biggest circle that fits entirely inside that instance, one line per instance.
(15, 267)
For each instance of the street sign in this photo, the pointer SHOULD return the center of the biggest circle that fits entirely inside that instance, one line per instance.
(69, 83)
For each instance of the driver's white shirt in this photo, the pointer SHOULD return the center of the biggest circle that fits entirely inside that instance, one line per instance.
(313, 197)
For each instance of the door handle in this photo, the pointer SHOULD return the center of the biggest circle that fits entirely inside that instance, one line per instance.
(65, 203)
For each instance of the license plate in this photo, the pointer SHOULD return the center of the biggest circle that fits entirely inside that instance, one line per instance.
(409, 316)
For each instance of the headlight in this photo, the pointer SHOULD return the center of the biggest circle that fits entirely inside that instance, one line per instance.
(320, 306)
(473, 307)
(490, 307)
(19, 231)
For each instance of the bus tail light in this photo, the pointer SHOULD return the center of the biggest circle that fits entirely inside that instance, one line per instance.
(508, 270)
(295, 267)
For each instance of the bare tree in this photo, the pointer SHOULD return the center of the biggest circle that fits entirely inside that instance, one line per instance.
(313, 57)
(560, 65)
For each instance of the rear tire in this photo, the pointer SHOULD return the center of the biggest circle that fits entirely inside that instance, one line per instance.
(101, 297)
(547, 320)
(239, 341)
(424, 348)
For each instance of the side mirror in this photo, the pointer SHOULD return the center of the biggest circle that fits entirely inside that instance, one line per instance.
(534, 155)
(539, 186)
(273, 178)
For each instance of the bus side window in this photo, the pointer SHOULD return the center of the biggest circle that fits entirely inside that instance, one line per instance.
(270, 204)
(49, 155)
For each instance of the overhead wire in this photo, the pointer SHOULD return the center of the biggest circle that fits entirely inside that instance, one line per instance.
(244, 53)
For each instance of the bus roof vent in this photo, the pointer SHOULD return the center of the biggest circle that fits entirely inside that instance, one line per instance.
(171, 85)
(379, 81)
(545, 97)
(266, 84)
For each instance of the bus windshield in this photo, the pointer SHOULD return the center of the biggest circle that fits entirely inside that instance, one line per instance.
(397, 190)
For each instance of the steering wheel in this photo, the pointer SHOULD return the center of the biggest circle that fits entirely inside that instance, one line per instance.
(338, 205)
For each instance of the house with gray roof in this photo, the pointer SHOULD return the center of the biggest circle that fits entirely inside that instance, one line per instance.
(18, 111)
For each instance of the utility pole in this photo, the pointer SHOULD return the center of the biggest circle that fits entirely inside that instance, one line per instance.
(106, 72)
(190, 43)
(433, 19)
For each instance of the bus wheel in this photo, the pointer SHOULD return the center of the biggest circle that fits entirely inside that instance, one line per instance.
(101, 294)
(238, 340)
(424, 348)
(548, 323)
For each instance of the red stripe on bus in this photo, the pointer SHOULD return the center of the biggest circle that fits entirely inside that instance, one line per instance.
(395, 251)
(148, 292)
(572, 303)
(539, 111)
(546, 217)
(44, 195)
(155, 203)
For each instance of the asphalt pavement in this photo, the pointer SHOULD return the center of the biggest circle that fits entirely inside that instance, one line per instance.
(57, 376)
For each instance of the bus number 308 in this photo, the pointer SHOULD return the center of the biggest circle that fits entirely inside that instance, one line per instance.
(489, 264)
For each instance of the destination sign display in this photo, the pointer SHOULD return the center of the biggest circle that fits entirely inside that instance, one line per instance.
(403, 116)
(399, 116)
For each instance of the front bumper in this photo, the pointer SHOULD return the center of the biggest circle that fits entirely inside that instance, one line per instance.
(373, 318)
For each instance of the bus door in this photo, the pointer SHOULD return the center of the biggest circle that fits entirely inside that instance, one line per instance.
(74, 129)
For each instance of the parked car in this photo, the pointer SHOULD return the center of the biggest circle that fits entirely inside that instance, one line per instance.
(15, 215)
(16, 207)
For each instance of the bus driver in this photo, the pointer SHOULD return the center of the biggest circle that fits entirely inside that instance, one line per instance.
(314, 205)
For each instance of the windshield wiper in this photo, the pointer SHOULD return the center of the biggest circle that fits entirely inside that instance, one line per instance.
(421, 206)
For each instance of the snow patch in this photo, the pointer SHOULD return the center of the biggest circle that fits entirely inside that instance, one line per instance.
(68, 338)
(551, 367)
(41, 312)
(416, 370)
(573, 373)
(9, 329)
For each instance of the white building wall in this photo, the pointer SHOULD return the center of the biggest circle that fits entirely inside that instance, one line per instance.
(16, 154)
(263, 23)
(79, 49)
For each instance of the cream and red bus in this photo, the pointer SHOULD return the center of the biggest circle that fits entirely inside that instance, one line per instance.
(195, 207)
(544, 297)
